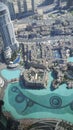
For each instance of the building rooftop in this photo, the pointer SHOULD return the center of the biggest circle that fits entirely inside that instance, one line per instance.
(36, 76)
(1, 82)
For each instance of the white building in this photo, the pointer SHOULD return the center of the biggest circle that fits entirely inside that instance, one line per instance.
(1, 82)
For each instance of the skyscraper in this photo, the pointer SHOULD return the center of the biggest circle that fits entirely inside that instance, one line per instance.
(25, 6)
(21, 8)
(59, 3)
(33, 5)
(11, 9)
(7, 31)
(69, 3)
(4, 1)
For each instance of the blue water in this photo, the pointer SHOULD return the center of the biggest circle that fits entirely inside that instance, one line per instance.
(70, 59)
(10, 74)
(25, 103)
(36, 103)
(17, 60)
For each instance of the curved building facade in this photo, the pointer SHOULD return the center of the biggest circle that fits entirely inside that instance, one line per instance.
(7, 30)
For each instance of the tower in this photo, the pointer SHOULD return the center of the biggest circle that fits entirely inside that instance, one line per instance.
(59, 3)
(7, 31)
(19, 6)
(69, 3)
(25, 6)
(11, 9)
(4, 1)
(33, 5)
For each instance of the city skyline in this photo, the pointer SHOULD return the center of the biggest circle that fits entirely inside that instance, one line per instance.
(36, 65)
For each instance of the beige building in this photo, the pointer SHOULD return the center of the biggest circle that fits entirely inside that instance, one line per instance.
(35, 78)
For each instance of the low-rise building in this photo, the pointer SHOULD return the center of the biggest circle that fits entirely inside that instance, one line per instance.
(35, 78)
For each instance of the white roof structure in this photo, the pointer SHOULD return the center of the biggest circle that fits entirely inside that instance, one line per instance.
(1, 82)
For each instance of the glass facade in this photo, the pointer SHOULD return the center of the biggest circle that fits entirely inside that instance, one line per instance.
(6, 28)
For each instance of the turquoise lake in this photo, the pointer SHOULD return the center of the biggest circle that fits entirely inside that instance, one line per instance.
(26, 103)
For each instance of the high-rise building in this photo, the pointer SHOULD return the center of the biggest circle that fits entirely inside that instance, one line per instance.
(7, 31)
(16, 9)
(59, 3)
(69, 3)
(11, 9)
(25, 6)
(20, 8)
(4, 1)
(33, 5)
(29, 6)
